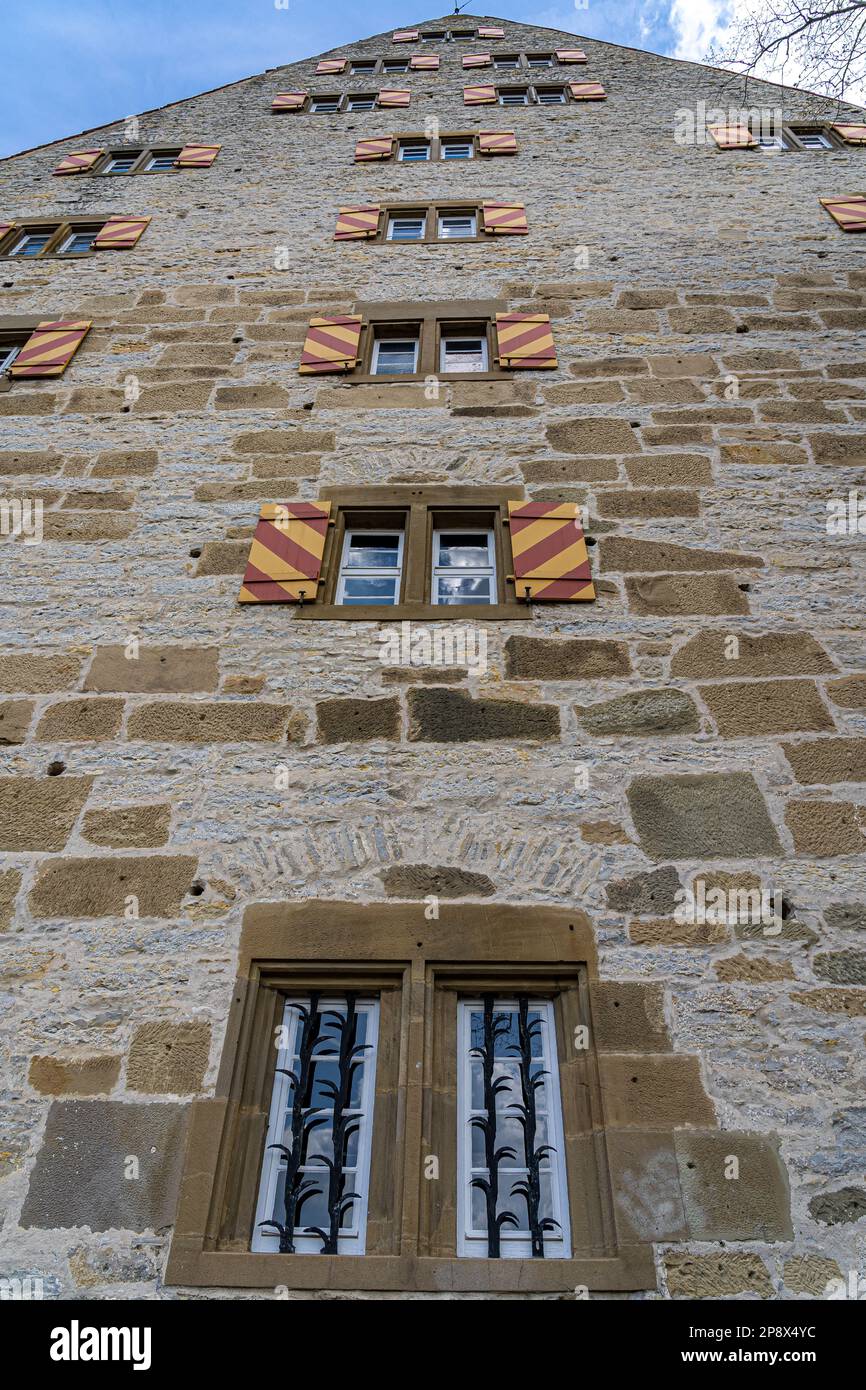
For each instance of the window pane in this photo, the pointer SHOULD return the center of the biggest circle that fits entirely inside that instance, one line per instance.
(373, 552)
(31, 245)
(457, 149)
(361, 104)
(406, 229)
(463, 589)
(162, 161)
(420, 151)
(551, 98)
(369, 589)
(395, 357)
(463, 355)
(78, 242)
(121, 164)
(514, 99)
(7, 357)
(464, 550)
(454, 226)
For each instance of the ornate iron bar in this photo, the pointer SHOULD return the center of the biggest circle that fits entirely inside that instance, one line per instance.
(350, 1059)
(299, 1188)
(495, 1027)
(530, 1082)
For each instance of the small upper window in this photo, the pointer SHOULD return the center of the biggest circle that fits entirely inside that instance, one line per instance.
(457, 149)
(463, 352)
(771, 142)
(77, 243)
(456, 226)
(433, 36)
(414, 151)
(814, 140)
(395, 65)
(506, 60)
(361, 103)
(517, 96)
(7, 356)
(464, 567)
(551, 96)
(31, 244)
(121, 163)
(539, 60)
(371, 568)
(395, 356)
(407, 228)
(363, 65)
(160, 163)
(325, 104)
(460, 35)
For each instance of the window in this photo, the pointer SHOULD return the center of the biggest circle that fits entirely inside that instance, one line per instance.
(455, 226)
(414, 151)
(539, 60)
(464, 567)
(814, 140)
(325, 104)
(8, 353)
(78, 242)
(395, 65)
(407, 228)
(433, 36)
(122, 163)
(463, 353)
(394, 356)
(771, 142)
(364, 65)
(371, 567)
(514, 96)
(550, 96)
(31, 244)
(161, 163)
(361, 103)
(321, 1113)
(506, 60)
(462, 35)
(457, 149)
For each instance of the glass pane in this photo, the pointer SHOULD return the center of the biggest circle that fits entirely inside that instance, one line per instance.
(30, 246)
(510, 99)
(406, 229)
(465, 356)
(466, 551)
(366, 589)
(395, 358)
(453, 228)
(373, 552)
(464, 590)
(456, 151)
(551, 98)
(414, 152)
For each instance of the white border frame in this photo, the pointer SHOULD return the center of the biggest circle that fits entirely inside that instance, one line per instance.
(363, 572)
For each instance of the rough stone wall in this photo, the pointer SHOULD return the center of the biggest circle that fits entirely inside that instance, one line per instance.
(709, 512)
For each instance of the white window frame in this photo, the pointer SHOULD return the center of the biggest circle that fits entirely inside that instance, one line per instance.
(457, 140)
(7, 357)
(447, 336)
(539, 60)
(63, 248)
(397, 338)
(514, 98)
(439, 36)
(362, 67)
(152, 164)
(361, 102)
(514, 1244)
(507, 62)
(771, 142)
(394, 572)
(331, 107)
(18, 248)
(395, 218)
(354, 1239)
(550, 96)
(413, 145)
(391, 65)
(450, 571)
(122, 158)
(823, 141)
(470, 217)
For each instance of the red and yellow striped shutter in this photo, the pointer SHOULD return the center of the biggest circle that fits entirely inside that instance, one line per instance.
(505, 218)
(570, 55)
(79, 162)
(490, 31)
(120, 233)
(377, 148)
(357, 224)
(4, 228)
(331, 345)
(424, 61)
(497, 142)
(525, 340)
(549, 552)
(285, 558)
(477, 60)
(288, 101)
(732, 137)
(478, 96)
(197, 156)
(848, 213)
(587, 91)
(851, 134)
(50, 348)
(331, 65)
(391, 96)
(405, 36)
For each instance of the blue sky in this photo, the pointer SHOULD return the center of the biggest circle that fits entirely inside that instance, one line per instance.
(66, 67)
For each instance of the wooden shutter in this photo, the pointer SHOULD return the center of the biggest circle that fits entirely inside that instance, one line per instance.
(851, 134)
(422, 61)
(732, 137)
(570, 55)
(405, 36)
(549, 552)
(50, 348)
(197, 156)
(525, 340)
(478, 96)
(285, 558)
(331, 65)
(490, 31)
(497, 142)
(331, 345)
(477, 60)
(79, 162)
(120, 233)
(848, 213)
(6, 227)
(587, 91)
(505, 218)
(288, 101)
(381, 147)
(393, 96)
(357, 224)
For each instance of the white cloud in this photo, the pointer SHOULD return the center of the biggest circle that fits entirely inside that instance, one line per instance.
(698, 25)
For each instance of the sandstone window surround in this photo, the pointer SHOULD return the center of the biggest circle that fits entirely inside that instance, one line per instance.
(415, 147)
(431, 224)
(339, 103)
(33, 346)
(125, 161)
(491, 94)
(76, 237)
(532, 552)
(562, 57)
(800, 137)
(418, 972)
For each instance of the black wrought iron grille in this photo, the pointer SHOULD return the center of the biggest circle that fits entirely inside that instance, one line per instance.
(325, 1095)
(521, 1030)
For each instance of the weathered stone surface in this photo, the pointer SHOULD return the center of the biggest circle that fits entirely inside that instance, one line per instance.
(646, 713)
(680, 595)
(38, 813)
(846, 916)
(833, 1001)
(849, 692)
(628, 1017)
(207, 721)
(10, 882)
(15, 716)
(79, 1178)
(810, 1274)
(669, 932)
(103, 887)
(438, 715)
(670, 470)
(826, 828)
(771, 654)
(88, 1074)
(603, 832)
(841, 967)
(37, 674)
(81, 720)
(753, 970)
(652, 892)
(744, 709)
(753, 1205)
(168, 1058)
(712, 815)
(125, 463)
(576, 658)
(441, 881)
(716, 1276)
(824, 760)
(155, 670)
(840, 1207)
(353, 721)
(659, 1090)
(646, 1185)
(601, 435)
(626, 555)
(128, 827)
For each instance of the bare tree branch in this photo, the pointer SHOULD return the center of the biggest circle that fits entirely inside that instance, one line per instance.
(819, 45)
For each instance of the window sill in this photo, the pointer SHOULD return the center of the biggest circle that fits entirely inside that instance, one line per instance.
(414, 612)
(366, 379)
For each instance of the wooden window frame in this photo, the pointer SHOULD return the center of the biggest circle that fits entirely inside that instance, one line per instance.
(418, 512)
(431, 212)
(427, 318)
(418, 968)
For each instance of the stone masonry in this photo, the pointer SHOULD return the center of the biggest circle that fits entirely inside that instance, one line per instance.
(710, 400)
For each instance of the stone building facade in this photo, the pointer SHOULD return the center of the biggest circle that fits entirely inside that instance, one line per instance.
(205, 801)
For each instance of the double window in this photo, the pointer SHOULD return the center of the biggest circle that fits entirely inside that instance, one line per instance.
(448, 223)
(531, 96)
(463, 567)
(37, 240)
(422, 149)
(799, 138)
(371, 568)
(151, 160)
